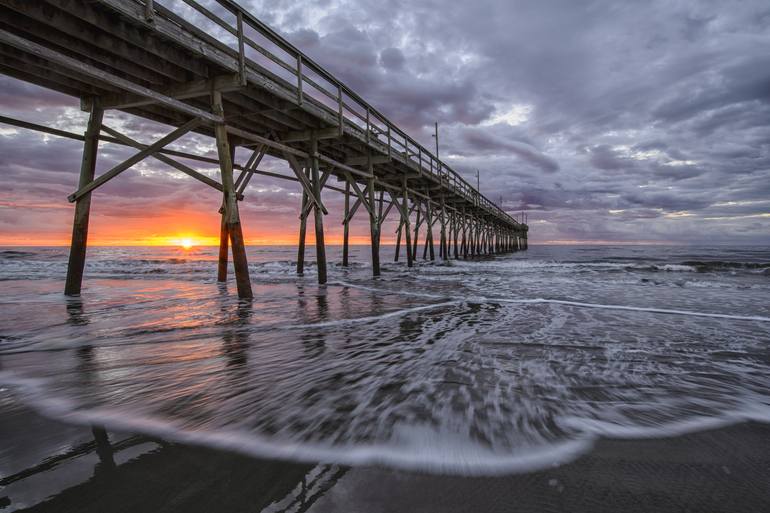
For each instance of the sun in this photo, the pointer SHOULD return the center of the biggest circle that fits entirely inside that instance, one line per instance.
(186, 243)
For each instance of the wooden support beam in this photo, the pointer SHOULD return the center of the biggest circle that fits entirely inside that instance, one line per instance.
(233, 220)
(101, 75)
(166, 160)
(429, 232)
(305, 135)
(374, 226)
(137, 157)
(346, 228)
(77, 256)
(416, 230)
(369, 207)
(224, 231)
(194, 89)
(443, 237)
(303, 229)
(249, 136)
(355, 206)
(224, 237)
(455, 225)
(249, 170)
(343, 167)
(398, 240)
(320, 248)
(324, 178)
(362, 161)
(405, 219)
(307, 184)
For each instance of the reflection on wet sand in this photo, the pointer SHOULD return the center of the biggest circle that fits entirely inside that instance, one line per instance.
(176, 478)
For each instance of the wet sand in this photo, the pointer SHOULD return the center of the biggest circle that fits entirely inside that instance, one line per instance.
(720, 470)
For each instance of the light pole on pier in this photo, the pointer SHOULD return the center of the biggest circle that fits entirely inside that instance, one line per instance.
(435, 135)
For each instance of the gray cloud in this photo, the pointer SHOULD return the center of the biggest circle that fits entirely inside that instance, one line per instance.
(607, 120)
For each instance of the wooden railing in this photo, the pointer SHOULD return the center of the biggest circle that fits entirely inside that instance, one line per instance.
(258, 47)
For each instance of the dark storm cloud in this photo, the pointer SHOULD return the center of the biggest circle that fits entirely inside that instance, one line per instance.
(487, 142)
(607, 120)
(392, 59)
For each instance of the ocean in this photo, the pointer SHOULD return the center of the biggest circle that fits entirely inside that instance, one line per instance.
(486, 367)
(482, 367)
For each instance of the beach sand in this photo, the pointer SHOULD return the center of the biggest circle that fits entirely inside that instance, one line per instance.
(720, 470)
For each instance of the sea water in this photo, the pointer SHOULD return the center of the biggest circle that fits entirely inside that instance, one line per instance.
(485, 366)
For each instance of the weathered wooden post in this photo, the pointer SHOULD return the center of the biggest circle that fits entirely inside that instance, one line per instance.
(224, 234)
(429, 231)
(231, 204)
(417, 223)
(346, 227)
(77, 257)
(456, 236)
(398, 240)
(320, 247)
(373, 221)
(405, 194)
(303, 213)
(443, 238)
(223, 247)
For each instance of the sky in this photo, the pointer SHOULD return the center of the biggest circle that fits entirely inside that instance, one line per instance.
(604, 121)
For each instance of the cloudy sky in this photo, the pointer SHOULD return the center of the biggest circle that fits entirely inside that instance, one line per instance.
(603, 120)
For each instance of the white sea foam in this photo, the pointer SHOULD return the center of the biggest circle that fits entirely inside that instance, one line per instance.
(412, 447)
(373, 318)
(572, 303)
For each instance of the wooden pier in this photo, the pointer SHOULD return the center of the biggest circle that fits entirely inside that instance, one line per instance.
(219, 71)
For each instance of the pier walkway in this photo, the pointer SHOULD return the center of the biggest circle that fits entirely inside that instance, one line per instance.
(218, 70)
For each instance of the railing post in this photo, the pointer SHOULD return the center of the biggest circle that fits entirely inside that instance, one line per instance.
(149, 11)
(299, 78)
(340, 118)
(389, 140)
(241, 51)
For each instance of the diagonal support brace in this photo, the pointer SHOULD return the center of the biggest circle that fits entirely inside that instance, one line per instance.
(149, 150)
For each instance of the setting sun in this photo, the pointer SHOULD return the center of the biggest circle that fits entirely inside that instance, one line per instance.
(186, 243)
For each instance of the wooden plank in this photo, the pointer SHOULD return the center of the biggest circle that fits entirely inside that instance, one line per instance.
(362, 161)
(304, 135)
(108, 78)
(202, 87)
(81, 21)
(249, 136)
